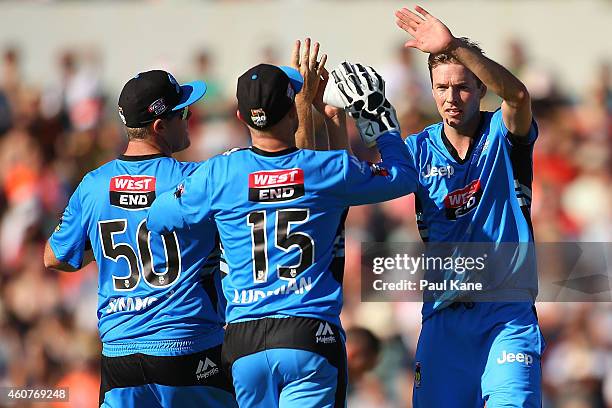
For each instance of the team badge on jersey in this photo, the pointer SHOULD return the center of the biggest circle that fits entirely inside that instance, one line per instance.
(460, 202)
(274, 186)
(132, 192)
(180, 189)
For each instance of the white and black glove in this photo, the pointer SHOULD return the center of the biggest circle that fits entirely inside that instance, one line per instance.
(360, 91)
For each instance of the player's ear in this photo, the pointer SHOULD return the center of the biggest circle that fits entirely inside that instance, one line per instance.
(483, 90)
(159, 126)
(239, 116)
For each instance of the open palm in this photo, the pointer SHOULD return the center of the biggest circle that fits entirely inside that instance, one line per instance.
(430, 34)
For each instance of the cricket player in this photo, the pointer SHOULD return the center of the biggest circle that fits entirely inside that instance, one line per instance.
(160, 316)
(280, 213)
(475, 174)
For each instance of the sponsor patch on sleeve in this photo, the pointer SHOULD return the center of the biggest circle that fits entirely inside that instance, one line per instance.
(132, 192)
(274, 186)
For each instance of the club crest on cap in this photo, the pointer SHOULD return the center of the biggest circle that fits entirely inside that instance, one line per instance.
(158, 107)
(258, 116)
(122, 116)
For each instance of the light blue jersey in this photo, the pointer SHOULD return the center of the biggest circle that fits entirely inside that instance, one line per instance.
(157, 295)
(485, 198)
(281, 221)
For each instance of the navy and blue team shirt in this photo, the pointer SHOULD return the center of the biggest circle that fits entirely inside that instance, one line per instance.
(280, 218)
(485, 198)
(157, 295)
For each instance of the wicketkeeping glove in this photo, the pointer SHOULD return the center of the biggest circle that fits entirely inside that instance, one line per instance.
(360, 90)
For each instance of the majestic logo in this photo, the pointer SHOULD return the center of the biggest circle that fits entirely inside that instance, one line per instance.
(325, 334)
(273, 186)
(258, 116)
(515, 357)
(417, 374)
(158, 107)
(132, 192)
(438, 171)
(460, 202)
(206, 369)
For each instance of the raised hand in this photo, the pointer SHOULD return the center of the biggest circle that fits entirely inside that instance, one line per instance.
(306, 61)
(430, 34)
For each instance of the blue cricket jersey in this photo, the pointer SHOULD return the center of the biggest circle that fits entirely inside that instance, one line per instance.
(280, 217)
(157, 295)
(485, 198)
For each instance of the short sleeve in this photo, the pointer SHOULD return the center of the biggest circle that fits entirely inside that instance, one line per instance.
(497, 124)
(70, 236)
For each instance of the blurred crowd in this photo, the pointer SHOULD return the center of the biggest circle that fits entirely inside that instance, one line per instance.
(52, 134)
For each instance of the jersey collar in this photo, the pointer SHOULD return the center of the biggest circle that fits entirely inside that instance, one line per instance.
(142, 157)
(274, 154)
(451, 149)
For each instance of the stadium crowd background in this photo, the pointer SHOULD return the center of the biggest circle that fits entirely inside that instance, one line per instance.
(57, 128)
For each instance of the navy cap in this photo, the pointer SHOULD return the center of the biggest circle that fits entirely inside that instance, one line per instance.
(150, 95)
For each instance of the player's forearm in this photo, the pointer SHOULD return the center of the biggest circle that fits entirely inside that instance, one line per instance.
(497, 78)
(397, 161)
(337, 133)
(304, 137)
(393, 151)
(516, 106)
(392, 178)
